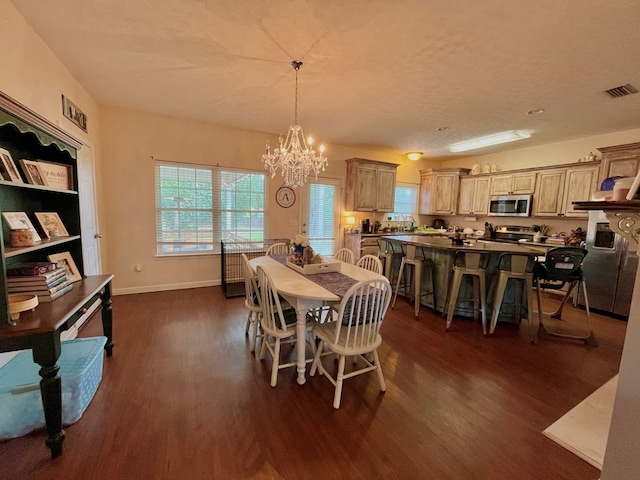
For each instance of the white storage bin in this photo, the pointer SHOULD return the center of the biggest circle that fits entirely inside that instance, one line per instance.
(21, 409)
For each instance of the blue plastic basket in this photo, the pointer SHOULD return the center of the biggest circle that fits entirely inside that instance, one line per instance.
(21, 410)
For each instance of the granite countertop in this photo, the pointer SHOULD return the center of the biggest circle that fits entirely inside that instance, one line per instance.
(478, 246)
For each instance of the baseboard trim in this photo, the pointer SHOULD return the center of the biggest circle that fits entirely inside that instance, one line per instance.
(165, 287)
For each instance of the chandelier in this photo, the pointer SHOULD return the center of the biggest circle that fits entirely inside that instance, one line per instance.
(295, 157)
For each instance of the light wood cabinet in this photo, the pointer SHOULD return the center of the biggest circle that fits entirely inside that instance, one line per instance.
(549, 194)
(619, 160)
(439, 190)
(557, 189)
(370, 186)
(513, 184)
(580, 184)
(474, 195)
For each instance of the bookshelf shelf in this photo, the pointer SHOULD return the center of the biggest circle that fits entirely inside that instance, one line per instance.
(45, 243)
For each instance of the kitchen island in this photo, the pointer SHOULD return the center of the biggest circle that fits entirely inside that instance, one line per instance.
(442, 252)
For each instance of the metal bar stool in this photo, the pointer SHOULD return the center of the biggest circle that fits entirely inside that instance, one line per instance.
(473, 264)
(519, 267)
(409, 258)
(389, 254)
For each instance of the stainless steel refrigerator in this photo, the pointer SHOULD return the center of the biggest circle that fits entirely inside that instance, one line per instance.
(609, 267)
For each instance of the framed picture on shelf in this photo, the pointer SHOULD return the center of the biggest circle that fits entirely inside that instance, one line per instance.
(635, 188)
(32, 172)
(20, 221)
(56, 175)
(51, 224)
(8, 168)
(73, 113)
(64, 259)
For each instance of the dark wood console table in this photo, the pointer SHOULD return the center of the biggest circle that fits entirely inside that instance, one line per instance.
(39, 330)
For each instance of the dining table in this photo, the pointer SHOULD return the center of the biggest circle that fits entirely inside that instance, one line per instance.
(308, 292)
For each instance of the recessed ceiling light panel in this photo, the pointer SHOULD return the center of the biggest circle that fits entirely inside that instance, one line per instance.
(489, 140)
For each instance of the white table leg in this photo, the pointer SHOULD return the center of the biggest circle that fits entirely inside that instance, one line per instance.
(301, 344)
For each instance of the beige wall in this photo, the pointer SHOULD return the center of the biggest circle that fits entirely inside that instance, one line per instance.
(130, 139)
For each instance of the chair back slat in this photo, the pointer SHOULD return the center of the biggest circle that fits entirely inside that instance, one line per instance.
(361, 313)
(278, 249)
(252, 297)
(272, 315)
(345, 255)
(371, 263)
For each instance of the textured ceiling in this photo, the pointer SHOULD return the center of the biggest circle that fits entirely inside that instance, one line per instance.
(377, 73)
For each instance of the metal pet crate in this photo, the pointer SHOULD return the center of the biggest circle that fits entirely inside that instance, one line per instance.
(231, 262)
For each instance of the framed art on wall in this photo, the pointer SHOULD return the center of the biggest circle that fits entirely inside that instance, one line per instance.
(64, 259)
(8, 169)
(73, 113)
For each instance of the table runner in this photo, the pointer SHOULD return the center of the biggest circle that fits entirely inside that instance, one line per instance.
(336, 282)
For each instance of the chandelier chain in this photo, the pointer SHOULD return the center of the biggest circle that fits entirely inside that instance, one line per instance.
(294, 157)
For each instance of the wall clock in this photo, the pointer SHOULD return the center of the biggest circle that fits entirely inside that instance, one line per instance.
(286, 197)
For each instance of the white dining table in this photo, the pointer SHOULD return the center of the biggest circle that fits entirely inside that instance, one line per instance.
(303, 294)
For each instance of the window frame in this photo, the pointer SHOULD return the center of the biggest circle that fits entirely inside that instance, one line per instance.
(215, 208)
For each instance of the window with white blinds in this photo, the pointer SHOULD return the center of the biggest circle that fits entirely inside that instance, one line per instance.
(406, 197)
(198, 206)
(321, 224)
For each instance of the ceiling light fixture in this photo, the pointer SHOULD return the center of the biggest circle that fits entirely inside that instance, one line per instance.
(414, 155)
(294, 157)
(495, 139)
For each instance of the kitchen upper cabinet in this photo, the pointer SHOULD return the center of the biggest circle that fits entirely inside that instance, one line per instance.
(619, 160)
(580, 184)
(549, 194)
(439, 190)
(516, 183)
(557, 189)
(474, 195)
(370, 186)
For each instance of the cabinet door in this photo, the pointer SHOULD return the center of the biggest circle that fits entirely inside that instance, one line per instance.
(627, 167)
(547, 200)
(446, 194)
(366, 189)
(523, 183)
(466, 195)
(480, 196)
(386, 190)
(501, 184)
(581, 182)
(426, 194)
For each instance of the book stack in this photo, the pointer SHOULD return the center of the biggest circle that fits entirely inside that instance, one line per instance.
(43, 279)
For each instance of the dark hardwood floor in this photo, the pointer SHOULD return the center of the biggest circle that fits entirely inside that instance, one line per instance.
(184, 398)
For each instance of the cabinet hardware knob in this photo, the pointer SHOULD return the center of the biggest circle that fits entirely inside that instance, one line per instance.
(83, 311)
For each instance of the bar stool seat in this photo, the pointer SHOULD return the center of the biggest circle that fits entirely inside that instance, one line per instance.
(519, 267)
(411, 259)
(389, 254)
(473, 264)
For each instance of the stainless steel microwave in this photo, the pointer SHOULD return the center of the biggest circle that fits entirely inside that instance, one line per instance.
(510, 205)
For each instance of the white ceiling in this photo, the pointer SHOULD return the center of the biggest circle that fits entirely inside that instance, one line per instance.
(381, 74)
